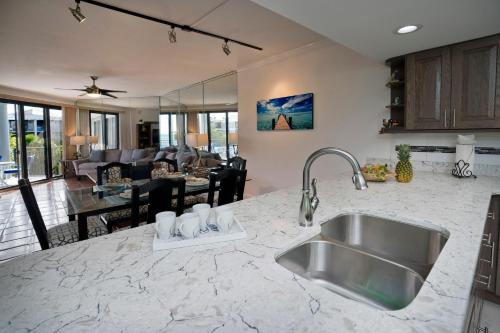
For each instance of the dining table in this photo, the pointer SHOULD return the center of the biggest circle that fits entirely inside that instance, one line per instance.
(80, 203)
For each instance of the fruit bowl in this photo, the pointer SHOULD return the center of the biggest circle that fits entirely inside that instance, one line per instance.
(377, 173)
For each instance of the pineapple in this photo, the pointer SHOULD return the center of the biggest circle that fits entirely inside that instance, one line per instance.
(404, 169)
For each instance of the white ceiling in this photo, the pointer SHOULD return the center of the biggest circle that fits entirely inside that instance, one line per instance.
(366, 26)
(43, 46)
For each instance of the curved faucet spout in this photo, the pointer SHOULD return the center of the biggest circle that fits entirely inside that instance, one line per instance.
(309, 203)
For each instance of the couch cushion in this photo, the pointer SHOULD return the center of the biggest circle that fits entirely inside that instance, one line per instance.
(149, 153)
(112, 155)
(91, 165)
(159, 155)
(126, 155)
(171, 149)
(137, 154)
(96, 156)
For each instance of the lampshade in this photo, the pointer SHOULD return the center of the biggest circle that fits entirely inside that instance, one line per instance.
(232, 138)
(202, 140)
(90, 139)
(192, 140)
(77, 140)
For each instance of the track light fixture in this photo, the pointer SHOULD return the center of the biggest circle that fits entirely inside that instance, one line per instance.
(226, 48)
(172, 36)
(77, 13)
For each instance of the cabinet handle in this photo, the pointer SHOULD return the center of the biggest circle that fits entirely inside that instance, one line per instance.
(453, 117)
(445, 120)
(487, 284)
(492, 256)
(487, 238)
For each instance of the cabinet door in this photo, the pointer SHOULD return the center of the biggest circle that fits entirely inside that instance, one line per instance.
(428, 76)
(476, 84)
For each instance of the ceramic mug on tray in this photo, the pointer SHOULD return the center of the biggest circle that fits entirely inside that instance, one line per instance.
(224, 218)
(165, 225)
(203, 210)
(189, 226)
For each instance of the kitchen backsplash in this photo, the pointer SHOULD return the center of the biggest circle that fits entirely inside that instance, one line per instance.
(441, 159)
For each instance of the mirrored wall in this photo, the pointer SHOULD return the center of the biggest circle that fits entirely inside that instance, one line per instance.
(204, 115)
(124, 122)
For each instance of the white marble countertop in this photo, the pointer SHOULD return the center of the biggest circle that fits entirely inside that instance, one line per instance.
(116, 283)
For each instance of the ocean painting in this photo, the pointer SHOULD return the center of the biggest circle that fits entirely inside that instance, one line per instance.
(285, 113)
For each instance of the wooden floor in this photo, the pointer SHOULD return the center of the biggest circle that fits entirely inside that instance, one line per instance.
(17, 236)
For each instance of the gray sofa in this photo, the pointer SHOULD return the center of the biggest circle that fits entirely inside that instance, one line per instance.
(185, 156)
(102, 157)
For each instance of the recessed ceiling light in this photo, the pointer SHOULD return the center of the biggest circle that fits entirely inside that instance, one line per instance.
(406, 29)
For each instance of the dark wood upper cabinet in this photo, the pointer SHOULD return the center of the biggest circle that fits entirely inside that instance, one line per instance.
(428, 89)
(475, 95)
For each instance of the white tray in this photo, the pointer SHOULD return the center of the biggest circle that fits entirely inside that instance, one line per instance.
(236, 232)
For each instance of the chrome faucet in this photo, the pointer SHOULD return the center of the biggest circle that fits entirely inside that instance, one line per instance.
(310, 203)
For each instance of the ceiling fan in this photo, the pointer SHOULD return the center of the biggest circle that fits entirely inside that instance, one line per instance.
(95, 91)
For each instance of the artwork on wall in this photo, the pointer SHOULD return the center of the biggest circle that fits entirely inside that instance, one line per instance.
(285, 113)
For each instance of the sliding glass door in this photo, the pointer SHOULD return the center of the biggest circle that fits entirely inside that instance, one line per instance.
(105, 126)
(30, 142)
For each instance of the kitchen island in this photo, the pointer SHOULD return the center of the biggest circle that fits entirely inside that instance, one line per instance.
(117, 283)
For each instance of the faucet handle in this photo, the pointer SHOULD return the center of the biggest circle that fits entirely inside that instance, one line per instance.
(314, 198)
(313, 185)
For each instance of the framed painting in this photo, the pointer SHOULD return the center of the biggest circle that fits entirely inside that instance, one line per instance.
(285, 113)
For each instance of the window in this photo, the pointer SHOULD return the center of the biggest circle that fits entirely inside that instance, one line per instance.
(216, 124)
(105, 126)
(169, 125)
(30, 141)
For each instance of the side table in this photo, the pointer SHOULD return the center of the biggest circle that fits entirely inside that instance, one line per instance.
(68, 169)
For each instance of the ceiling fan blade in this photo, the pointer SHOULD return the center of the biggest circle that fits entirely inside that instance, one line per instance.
(70, 89)
(115, 91)
(107, 94)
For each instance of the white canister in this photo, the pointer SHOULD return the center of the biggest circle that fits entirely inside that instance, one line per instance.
(466, 154)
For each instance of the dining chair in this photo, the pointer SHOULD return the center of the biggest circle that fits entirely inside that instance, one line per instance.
(113, 172)
(231, 186)
(62, 234)
(237, 163)
(166, 163)
(160, 198)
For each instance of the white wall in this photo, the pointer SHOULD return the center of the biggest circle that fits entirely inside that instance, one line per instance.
(349, 105)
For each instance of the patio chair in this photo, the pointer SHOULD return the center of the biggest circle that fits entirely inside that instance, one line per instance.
(59, 235)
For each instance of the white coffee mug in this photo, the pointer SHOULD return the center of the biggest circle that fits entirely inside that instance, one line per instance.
(224, 219)
(165, 224)
(190, 225)
(203, 210)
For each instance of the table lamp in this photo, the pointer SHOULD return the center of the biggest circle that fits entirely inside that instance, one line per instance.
(77, 140)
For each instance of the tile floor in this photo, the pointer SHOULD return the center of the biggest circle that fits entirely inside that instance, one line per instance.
(490, 317)
(17, 236)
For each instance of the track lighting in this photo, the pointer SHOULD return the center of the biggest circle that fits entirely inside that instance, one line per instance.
(77, 13)
(172, 36)
(225, 48)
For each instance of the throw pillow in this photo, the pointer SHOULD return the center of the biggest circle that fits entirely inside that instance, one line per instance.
(126, 155)
(170, 156)
(138, 154)
(112, 155)
(96, 156)
(159, 155)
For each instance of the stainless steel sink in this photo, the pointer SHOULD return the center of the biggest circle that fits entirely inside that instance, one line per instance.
(354, 274)
(413, 246)
(377, 261)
